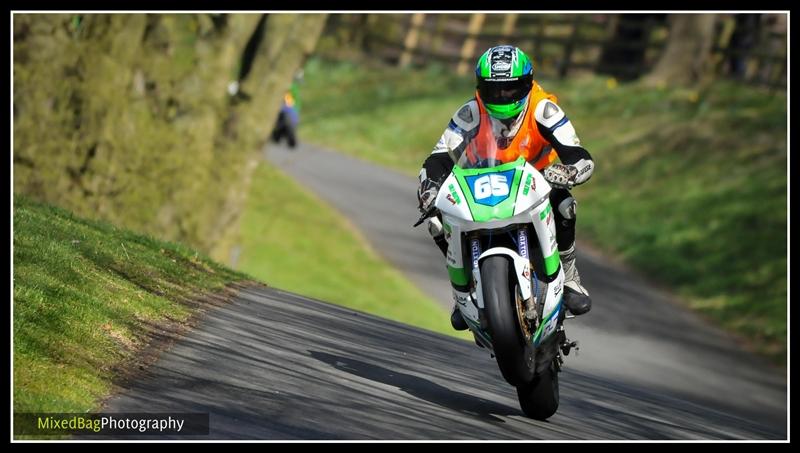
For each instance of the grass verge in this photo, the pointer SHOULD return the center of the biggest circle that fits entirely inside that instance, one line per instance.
(87, 298)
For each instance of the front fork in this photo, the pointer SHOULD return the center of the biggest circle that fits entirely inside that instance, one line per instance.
(475, 253)
(530, 313)
(543, 221)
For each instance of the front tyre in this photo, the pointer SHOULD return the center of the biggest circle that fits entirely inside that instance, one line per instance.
(514, 355)
(539, 399)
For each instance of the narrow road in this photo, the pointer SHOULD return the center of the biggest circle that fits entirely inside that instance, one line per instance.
(276, 366)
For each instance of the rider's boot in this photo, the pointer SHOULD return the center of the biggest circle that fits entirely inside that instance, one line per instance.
(456, 320)
(576, 298)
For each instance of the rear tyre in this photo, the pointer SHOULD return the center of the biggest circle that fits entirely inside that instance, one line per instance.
(515, 357)
(539, 399)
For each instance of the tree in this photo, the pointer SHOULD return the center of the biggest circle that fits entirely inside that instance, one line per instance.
(127, 117)
(685, 60)
(624, 53)
(744, 39)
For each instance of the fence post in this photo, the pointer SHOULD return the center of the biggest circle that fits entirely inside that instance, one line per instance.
(509, 21)
(437, 39)
(720, 50)
(411, 39)
(538, 42)
(468, 49)
(369, 25)
(358, 23)
(570, 46)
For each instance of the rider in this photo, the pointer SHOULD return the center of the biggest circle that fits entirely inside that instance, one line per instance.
(515, 104)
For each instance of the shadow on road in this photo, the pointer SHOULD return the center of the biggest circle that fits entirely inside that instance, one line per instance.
(420, 388)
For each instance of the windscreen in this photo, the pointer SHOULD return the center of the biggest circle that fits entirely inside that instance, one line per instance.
(482, 150)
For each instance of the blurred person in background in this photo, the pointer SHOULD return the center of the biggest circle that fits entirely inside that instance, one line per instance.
(524, 118)
(289, 116)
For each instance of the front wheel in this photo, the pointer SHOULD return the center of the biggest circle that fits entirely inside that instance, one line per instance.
(515, 356)
(539, 399)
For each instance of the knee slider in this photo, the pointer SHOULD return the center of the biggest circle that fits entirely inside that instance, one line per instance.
(568, 208)
(435, 227)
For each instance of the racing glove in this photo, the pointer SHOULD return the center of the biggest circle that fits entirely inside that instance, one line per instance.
(561, 176)
(426, 194)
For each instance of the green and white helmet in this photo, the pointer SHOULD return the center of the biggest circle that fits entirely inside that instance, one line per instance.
(505, 77)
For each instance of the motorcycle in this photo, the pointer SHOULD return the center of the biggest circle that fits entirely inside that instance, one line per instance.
(508, 288)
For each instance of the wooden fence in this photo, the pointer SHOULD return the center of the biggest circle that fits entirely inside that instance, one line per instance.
(566, 44)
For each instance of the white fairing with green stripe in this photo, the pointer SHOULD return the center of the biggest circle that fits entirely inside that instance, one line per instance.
(526, 201)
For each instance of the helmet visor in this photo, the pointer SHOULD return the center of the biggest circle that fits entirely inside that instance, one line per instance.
(504, 91)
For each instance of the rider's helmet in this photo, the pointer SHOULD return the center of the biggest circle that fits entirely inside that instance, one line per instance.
(505, 77)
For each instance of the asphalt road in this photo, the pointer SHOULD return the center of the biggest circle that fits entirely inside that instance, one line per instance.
(272, 365)
(276, 366)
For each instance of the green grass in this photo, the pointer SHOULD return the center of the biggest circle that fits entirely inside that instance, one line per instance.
(87, 297)
(690, 186)
(700, 177)
(293, 241)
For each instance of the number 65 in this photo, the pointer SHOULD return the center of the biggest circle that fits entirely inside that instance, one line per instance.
(489, 185)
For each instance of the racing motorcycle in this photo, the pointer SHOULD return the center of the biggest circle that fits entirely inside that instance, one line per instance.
(505, 269)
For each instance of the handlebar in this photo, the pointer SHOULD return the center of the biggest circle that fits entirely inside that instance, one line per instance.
(425, 215)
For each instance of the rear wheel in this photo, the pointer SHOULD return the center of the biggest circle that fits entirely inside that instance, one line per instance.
(539, 399)
(514, 355)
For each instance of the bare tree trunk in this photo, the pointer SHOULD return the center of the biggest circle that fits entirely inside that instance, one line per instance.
(686, 55)
(287, 40)
(743, 41)
(623, 54)
(127, 117)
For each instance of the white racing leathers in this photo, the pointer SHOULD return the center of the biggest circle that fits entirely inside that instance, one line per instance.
(551, 122)
(554, 126)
